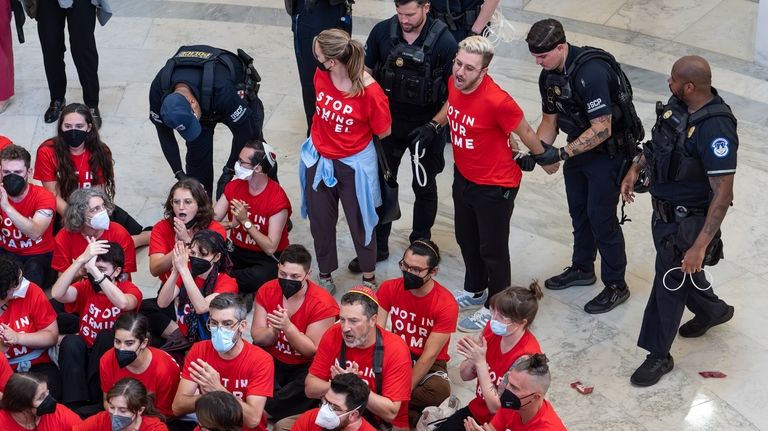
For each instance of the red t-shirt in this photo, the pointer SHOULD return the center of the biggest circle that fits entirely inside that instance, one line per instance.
(162, 377)
(545, 420)
(480, 124)
(498, 365)
(46, 166)
(318, 305)
(28, 311)
(70, 245)
(306, 422)
(13, 240)
(343, 126)
(252, 372)
(396, 379)
(103, 422)
(224, 284)
(5, 372)
(261, 207)
(414, 318)
(61, 420)
(96, 311)
(163, 239)
(4, 142)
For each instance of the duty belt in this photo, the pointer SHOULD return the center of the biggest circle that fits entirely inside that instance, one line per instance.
(671, 213)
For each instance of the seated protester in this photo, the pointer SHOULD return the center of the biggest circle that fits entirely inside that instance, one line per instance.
(87, 216)
(26, 213)
(523, 406)
(226, 362)
(342, 408)
(133, 357)
(505, 338)
(130, 408)
(290, 316)
(354, 342)
(27, 404)
(5, 373)
(98, 299)
(257, 210)
(218, 411)
(424, 314)
(28, 325)
(77, 158)
(199, 274)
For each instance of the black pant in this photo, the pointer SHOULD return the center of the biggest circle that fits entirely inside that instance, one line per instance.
(482, 215)
(159, 318)
(455, 422)
(81, 22)
(52, 375)
(289, 398)
(664, 310)
(592, 188)
(69, 323)
(79, 366)
(36, 268)
(251, 269)
(431, 163)
(121, 217)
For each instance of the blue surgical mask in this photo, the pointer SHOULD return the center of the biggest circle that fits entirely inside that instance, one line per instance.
(223, 339)
(119, 423)
(498, 328)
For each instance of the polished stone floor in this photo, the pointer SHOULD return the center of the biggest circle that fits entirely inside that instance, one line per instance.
(646, 35)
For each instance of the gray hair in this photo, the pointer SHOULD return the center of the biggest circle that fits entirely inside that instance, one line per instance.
(77, 207)
(225, 301)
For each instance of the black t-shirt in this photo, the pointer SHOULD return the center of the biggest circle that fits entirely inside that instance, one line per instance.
(596, 84)
(380, 44)
(320, 15)
(456, 6)
(715, 142)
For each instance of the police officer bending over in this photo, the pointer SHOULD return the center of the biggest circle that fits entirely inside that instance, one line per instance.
(411, 55)
(586, 95)
(464, 17)
(691, 163)
(199, 87)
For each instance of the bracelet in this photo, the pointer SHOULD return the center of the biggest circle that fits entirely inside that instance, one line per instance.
(435, 125)
(102, 279)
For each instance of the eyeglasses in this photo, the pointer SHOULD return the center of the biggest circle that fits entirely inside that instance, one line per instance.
(186, 202)
(413, 269)
(336, 409)
(211, 325)
(97, 209)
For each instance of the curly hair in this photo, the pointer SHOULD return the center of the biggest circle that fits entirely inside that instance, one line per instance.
(10, 273)
(204, 214)
(77, 207)
(100, 161)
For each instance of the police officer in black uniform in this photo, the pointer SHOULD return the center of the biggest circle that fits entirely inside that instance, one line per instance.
(464, 17)
(691, 163)
(199, 87)
(308, 19)
(411, 56)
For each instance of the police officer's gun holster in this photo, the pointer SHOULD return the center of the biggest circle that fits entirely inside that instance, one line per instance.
(687, 232)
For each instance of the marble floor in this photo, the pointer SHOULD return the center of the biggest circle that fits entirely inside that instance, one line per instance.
(646, 35)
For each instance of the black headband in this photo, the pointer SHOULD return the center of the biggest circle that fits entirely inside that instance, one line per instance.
(535, 49)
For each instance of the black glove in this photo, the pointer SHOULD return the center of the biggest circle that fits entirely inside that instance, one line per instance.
(180, 175)
(525, 161)
(425, 134)
(548, 157)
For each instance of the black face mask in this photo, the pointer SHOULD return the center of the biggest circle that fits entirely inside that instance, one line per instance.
(412, 281)
(48, 406)
(322, 66)
(190, 224)
(198, 265)
(74, 138)
(14, 184)
(511, 401)
(289, 287)
(125, 357)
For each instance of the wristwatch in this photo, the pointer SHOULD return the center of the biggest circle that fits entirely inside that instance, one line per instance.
(248, 225)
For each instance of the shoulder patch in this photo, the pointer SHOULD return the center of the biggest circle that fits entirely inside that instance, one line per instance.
(720, 147)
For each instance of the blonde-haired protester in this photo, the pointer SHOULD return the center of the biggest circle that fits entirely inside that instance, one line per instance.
(338, 160)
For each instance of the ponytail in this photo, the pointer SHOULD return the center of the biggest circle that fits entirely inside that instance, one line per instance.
(338, 45)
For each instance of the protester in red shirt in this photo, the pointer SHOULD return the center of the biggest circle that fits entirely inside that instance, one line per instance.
(87, 215)
(482, 118)
(133, 357)
(129, 407)
(26, 213)
(523, 407)
(5, 373)
(98, 299)
(290, 315)
(199, 274)
(338, 161)
(489, 356)
(342, 407)
(424, 314)
(257, 211)
(227, 363)
(353, 343)
(27, 405)
(220, 411)
(4, 142)
(77, 158)
(27, 326)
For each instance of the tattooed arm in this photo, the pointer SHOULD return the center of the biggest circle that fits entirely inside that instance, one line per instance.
(592, 137)
(722, 187)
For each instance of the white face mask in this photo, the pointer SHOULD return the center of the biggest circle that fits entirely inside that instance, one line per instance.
(328, 419)
(242, 173)
(100, 221)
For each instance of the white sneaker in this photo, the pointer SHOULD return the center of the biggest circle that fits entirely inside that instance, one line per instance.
(476, 322)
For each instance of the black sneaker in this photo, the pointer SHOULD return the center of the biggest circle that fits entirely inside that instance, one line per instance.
(96, 114)
(354, 264)
(570, 277)
(54, 111)
(649, 373)
(697, 327)
(608, 299)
